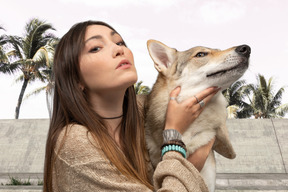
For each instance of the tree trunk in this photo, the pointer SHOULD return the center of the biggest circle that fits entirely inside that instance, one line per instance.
(17, 110)
(49, 100)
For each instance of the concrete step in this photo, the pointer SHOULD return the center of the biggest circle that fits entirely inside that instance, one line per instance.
(224, 183)
(252, 182)
(21, 188)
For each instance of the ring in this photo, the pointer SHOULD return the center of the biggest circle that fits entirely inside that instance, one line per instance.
(172, 98)
(201, 103)
(196, 98)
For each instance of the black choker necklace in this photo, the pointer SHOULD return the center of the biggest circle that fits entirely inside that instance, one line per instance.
(112, 117)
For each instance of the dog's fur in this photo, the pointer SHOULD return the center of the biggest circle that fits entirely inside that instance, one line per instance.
(194, 70)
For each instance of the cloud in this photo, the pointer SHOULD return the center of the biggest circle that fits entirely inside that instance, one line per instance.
(286, 47)
(219, 12)
(119, 3)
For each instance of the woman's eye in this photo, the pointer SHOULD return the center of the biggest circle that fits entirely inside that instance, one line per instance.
(201, 54)
(94, 49)
(121, 43)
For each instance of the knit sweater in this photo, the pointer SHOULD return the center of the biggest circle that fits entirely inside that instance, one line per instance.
(82, 166)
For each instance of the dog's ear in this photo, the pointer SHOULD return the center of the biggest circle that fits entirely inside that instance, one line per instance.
(162, 55)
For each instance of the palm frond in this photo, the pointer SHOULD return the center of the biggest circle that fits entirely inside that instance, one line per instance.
(282, 110)
(35, 92)
(9, 68)
(42, 55)
(35, 37)
(245, 111)
(16, 42)
(237, 85)
(276, 100)
(3, 56)
(20, 78)
(4, 39)
(141, 89)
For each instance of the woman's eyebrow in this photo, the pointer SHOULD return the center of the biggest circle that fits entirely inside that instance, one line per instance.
(100, 37)
(94, 37)
(113, 33)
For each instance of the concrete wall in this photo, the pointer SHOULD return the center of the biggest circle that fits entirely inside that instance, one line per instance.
(22, 145)
(261, 146)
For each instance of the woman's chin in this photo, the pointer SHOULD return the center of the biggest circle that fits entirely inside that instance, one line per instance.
(130, 80)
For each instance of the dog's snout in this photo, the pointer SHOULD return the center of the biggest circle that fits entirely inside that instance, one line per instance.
(244, 50)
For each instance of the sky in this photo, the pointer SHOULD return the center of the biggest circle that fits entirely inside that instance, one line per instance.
(181, 24)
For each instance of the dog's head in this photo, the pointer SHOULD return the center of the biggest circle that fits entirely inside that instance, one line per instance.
(200, 66)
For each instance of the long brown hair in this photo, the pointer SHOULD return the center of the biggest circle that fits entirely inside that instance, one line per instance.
(71, 106)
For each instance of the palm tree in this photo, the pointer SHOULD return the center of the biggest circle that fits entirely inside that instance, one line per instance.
(141, 89)
(264, 103)
(232, 111)
(46, 74)
(235, 96)
(3, 55)
(29, 54)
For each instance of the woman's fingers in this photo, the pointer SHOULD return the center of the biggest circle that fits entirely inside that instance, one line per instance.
(174, 93)
(208, 95)
(180, 115)
(203, 97)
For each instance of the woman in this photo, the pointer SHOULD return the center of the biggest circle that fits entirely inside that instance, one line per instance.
(96, 137)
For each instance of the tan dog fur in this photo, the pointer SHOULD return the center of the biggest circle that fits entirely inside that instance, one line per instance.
(189, 71)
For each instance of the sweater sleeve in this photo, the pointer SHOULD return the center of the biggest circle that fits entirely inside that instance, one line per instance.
(175, 173)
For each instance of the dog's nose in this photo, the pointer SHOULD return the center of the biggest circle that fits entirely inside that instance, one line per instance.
(244, 50)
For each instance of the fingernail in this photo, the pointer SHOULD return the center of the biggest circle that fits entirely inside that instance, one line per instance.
(216, 89)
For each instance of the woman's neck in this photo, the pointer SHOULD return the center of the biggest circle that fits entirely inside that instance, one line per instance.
(109, 105)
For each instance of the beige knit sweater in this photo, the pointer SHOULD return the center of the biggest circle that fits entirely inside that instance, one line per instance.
(81, 166)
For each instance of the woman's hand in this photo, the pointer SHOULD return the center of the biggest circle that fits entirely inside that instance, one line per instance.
(199, 157)
(180, 115)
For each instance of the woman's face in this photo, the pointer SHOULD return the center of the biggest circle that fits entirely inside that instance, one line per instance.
(106, 63)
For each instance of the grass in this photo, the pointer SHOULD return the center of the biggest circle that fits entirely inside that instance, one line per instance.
(16, 181)
(40, 182)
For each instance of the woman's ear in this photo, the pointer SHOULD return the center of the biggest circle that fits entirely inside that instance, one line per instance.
(81, 87)
(162, 55)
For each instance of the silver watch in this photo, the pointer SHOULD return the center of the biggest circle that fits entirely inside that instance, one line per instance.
(171, 134)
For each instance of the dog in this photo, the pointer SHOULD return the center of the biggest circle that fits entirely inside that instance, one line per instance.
(194, 70)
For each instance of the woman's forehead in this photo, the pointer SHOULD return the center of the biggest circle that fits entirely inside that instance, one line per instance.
(98, 31)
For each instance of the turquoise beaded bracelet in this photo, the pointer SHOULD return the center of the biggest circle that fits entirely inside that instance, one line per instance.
(174, 148)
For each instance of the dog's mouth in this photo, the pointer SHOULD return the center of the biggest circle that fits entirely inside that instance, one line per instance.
(242, 64)
(222, 72)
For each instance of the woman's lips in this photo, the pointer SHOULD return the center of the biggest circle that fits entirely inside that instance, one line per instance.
(124, 64)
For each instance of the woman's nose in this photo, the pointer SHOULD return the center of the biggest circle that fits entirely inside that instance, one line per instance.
(118, 50)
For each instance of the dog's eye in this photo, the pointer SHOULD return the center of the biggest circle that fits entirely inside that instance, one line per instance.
(201, 54)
